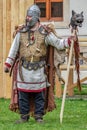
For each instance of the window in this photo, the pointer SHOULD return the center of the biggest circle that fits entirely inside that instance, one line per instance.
(51, 9)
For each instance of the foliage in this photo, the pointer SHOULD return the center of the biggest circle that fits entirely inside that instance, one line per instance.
(74, 118)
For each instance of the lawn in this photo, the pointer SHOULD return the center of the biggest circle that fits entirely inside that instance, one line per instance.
(75, 117)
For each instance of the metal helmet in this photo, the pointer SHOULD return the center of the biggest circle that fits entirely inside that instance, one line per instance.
(33, 11)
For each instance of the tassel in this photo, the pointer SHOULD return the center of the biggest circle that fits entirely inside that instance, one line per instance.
(77, 65)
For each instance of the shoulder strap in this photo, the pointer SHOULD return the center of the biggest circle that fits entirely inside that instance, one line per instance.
(50, 28)
(45, 29)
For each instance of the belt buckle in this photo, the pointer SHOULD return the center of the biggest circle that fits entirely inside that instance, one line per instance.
(25, 64)
(35, 66)
(42, 63)
(30, 66)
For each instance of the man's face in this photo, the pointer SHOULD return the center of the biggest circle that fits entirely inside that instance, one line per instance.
(29, 20)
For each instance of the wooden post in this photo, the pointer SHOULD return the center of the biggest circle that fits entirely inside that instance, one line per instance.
(1, 51)
(58, 90)
(70, 89)
(70, 82)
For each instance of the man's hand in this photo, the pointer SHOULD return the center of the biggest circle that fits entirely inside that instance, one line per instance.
(6, 69)
(74, 38)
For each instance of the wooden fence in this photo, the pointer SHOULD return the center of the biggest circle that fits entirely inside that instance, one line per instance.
(12, 12)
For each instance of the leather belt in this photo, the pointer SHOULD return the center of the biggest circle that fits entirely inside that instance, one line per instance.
(33, 65)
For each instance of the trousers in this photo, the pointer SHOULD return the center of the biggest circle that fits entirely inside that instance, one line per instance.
(39, 101)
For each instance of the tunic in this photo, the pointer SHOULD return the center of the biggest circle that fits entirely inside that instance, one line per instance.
(33, 80)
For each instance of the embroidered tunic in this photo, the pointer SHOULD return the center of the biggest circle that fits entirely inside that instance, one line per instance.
(33, 80)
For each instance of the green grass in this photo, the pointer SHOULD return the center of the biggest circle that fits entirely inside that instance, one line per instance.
(74, 118)
(83, 91)
(76, 90)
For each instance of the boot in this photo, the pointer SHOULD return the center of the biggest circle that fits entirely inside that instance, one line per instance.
(39, 119)
(23, 119)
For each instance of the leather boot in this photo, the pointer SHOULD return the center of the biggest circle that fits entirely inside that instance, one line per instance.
(39, 119)
(23, 119)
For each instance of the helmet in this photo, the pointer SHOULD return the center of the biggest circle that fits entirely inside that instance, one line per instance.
(33, 11)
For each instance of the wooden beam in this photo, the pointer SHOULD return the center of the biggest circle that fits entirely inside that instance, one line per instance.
(58, 92)
(82, 39)
(4, 46)
(14, 16)
(70, 90)
(75, 84)
(21, 12)
(8, 44)
(64, 67)
(83, 44)
(1, 46)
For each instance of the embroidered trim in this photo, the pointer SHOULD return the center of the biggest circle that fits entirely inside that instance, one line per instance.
(31, 90)
(8, 65)
(10, 58)
(69, 42)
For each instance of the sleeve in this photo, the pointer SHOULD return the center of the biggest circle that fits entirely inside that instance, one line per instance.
(53, 40)
(13, 51)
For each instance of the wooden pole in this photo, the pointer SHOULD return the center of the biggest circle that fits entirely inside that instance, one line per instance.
(66, 83)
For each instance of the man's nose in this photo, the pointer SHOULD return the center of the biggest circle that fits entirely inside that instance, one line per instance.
(29, 18)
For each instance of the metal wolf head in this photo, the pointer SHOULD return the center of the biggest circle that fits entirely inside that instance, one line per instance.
(76, 19)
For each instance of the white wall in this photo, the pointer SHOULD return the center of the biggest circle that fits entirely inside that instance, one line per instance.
(78, 6)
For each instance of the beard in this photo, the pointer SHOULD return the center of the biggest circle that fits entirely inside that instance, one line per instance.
(30, 23)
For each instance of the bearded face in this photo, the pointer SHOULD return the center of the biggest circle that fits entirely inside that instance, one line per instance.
(33, 15)
(31, 21)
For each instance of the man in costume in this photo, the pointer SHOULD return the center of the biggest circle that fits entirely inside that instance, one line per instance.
(33, 46)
